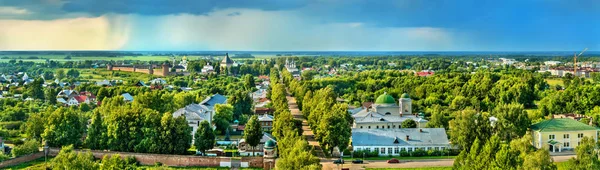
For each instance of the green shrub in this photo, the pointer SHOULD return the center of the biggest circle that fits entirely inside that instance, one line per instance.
(13, 125)
(26, 148)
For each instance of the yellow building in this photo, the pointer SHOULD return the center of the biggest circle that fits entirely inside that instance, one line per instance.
(561, 134)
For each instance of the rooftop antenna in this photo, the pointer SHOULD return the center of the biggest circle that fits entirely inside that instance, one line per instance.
(575, 55)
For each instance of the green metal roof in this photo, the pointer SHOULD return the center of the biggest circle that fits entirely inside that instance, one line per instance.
(385, 99)
(270, 144)
(561, 124)
(405, 96)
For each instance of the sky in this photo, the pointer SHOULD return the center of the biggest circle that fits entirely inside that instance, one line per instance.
(300, 25)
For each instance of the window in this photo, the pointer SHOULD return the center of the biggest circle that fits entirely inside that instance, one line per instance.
(368, 149)
(369, 127)
(396, 150)
(566, 136)
(393, 126)
(551, 137)
(442, 148)
(403, 149)
(437, 148)
(377, 127)
(388, 126)
(376, 150)
(410, 149)
(389, 151)
(578, 143)
(566, 144)
(382, 151)
(361, 127)
(388, 113)
(428, 148)
(580, 135)
(358, 149)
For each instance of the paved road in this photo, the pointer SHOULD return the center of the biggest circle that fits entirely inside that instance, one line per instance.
(307, 132)
(328, 163)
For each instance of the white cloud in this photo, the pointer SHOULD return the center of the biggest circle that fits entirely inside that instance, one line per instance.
(278, 30)
(5, 10)
(63, 34)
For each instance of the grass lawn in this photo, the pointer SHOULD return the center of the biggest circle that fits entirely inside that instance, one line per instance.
(425, 168)
(554, 82)
(35, 164)
(402, 158)
(560, 165)
(38, 164)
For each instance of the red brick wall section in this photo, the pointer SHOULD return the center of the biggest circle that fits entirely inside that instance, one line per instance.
(173, 160)
(253, 161)
(22, 159)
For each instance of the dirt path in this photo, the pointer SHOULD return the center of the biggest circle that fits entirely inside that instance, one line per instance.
(307, 132)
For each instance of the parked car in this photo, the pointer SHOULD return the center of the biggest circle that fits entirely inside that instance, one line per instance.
(393, 161)
(357, 161)
(338, 161)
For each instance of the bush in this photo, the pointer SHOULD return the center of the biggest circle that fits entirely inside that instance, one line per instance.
(419, 153)
(27, 148)
(13, 125)
(3, 157)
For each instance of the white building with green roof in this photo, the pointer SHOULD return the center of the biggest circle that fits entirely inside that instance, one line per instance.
(386, 114)
(561, 134)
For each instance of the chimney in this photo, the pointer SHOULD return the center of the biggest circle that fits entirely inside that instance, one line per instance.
(407, 137)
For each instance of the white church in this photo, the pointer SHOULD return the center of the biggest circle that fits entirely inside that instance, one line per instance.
(386, 114)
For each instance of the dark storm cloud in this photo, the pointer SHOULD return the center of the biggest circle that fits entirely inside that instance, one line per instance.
(165, 7)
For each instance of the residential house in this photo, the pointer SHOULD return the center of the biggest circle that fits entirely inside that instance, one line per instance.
(127, 97)
(203, 111)
(561, 134)
(67, 94)
(266, 122)
(158, 81)
(393, 141)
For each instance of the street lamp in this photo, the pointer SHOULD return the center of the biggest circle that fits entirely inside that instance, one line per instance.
(46, 150)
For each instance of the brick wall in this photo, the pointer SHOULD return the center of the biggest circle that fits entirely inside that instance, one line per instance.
(173, 160)
(19, 160)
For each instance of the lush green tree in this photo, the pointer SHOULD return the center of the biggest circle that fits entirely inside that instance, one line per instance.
(102, 93)
(50, 95)
(34, 126)
(204, 139)
(223, 116)
(512, 121)
(73, 73)
(540, 160)
(63, 127)
(284, 122)
(183, 99)
(29, 147)
(253, 132)
(409, 123)
(587, 155)
(68, 159)
(437, 119)
(294, 153)
(467, 126)
(183, 136)
(334, 130)
(242, 104)
(248, 81)
(35, 89)
(95, 138)
(113, 162)
(60, 74)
